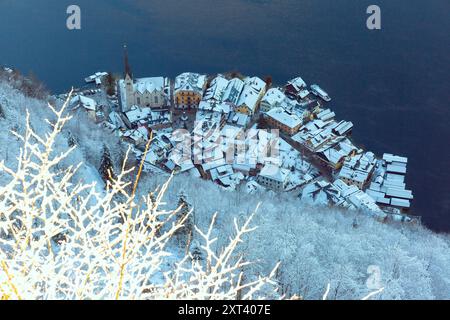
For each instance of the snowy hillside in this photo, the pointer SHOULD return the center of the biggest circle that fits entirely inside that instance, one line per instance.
(315, 245)
(321, 245)
(80, 130)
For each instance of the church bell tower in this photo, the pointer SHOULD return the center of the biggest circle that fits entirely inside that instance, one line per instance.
(128, 81)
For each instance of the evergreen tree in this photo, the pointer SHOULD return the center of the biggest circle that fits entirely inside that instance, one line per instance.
(106, 166)
(71, 140)
(196, 252)
(355, 223)
(268, 80)
(2, 113)
(185, 208)
(110, 84)
(152, 197)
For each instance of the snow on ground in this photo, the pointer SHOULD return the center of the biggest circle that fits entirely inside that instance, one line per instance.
(316, 245)
(89, 136)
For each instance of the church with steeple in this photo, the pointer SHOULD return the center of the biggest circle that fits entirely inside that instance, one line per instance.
(142, 92)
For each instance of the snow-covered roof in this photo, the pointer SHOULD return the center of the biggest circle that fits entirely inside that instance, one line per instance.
(397, 168)
(216, 89)
(257, 84)
(147, 115)
(82, 101)
(281, 116)
(180, 160)
(231, 181)
(189, 81)
(233, 91)
(273, 97)
(238, 119)
(388, 186)
(249, 98)
(115, 119)
(214, 107)
(303, 93)
(274, 172)
(322, 192)
(212, 117)
(343, 127)
(326, 115)
(356, 197)
(143, 85)
(251, 93)
(337, 151)
(298, 83)
(137, 135)
(392, 158)
(359, 167)
(221, 171)
(213, 164)
(362, 200)
(136, 113)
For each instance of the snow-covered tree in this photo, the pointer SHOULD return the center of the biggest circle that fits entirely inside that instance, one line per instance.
(63, 248)
(2, 113)
(185, 213)
(71, 140)
(110, 84)
(197, 252)
(106, 166)
(315, 246)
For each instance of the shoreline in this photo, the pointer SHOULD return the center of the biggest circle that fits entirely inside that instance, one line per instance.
(320, 98)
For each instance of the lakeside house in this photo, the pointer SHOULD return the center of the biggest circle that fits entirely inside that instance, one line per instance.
(273, 98)
(216, 89)
(233, 91)
(358, 170)
(286, 122)
(88, 104)
(388, 187)
(188, 90)
(254, 90)
(336, 151)
(296, 88)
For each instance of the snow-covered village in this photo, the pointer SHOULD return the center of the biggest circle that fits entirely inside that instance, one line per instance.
(247, 134)
(215, 157)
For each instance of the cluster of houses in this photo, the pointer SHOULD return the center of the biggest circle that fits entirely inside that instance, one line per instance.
(248, 134)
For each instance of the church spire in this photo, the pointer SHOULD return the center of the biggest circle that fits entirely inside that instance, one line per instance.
(126, 62)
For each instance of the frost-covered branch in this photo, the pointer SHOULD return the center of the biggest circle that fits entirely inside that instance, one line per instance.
(64, 239)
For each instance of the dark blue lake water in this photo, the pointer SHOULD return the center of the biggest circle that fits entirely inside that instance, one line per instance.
(393, 84)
